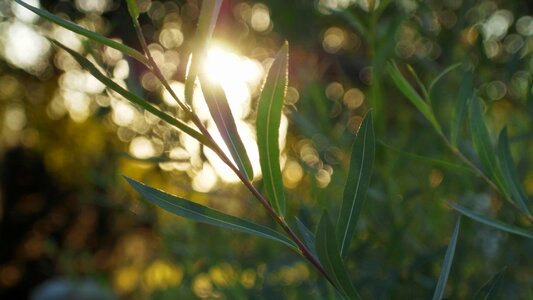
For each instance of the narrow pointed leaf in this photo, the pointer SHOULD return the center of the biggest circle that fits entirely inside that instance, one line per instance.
(328, 252)
(308, 236)
(447, 265)
(465, 91)
(267, 124)
(509, 173)
(483, 145)
(407, 90)
(87, 65)
(133, 8)
(359, 175)
(206, 25)
(419, 82)
(489, 291)
(492, 222)
(441, 75)
(220, 111)
(86, 33)
(481, 138)
(202, 214)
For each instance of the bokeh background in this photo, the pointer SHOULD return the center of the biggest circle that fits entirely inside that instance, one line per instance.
(70, 225)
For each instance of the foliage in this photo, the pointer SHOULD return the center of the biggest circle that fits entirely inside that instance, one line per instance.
(411, 169)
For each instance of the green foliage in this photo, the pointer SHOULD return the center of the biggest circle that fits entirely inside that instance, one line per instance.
(221, 113)
(447, 265)
(357, 184)
(491, 222)
(398, 231)
(328, 252)
(196, 212)
(206, 26)
(268, 121)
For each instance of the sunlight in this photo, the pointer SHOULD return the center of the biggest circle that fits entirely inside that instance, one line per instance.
(240, 77)
(26, 48)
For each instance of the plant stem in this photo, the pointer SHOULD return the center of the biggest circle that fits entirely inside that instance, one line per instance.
(480, 173)
(304, 251)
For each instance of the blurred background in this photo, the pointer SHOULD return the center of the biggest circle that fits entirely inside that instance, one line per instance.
(70, 227)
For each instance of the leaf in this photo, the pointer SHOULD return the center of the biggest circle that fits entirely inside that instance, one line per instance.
(220, 111)
(447, 265)
(308, 236)
(491, 222)
(418, 81)
(357, 183)
(465, 91)
(87, 33)
(441, 75)
(509, 173)
(483, 144)
(407, 90)
(206, 25)
(267, 125)
(86, 64)
(133, 9)
(202, 214)
(328, 252)
(489, 291)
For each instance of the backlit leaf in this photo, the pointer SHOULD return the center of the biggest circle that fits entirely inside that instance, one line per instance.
(267, 124)
(206, 25)
(87, 65)
(220, 111)
(359, 175)
(87, 33)
(202, 214)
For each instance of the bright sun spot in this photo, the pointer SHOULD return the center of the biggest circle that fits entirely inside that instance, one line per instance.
(240, 77)
(25, 48)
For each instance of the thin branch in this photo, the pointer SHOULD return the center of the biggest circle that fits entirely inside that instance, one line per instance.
(304, 251)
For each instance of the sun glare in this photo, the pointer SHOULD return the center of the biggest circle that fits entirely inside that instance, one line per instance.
(240, 77)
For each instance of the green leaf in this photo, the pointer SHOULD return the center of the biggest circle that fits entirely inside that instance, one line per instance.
(220, 111)
(407, 90)
(267, 125)
(489, 291)
(483, 144)
(491, 222)
(87, 33)
(419, 82)
(328, 252)
(465, 91)
(308, 236)
(357, 183)
(441, 75)
(133, 8)
(509, 173)
(447, 265)
(202, 214)
(86, 64)
(206, 25)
